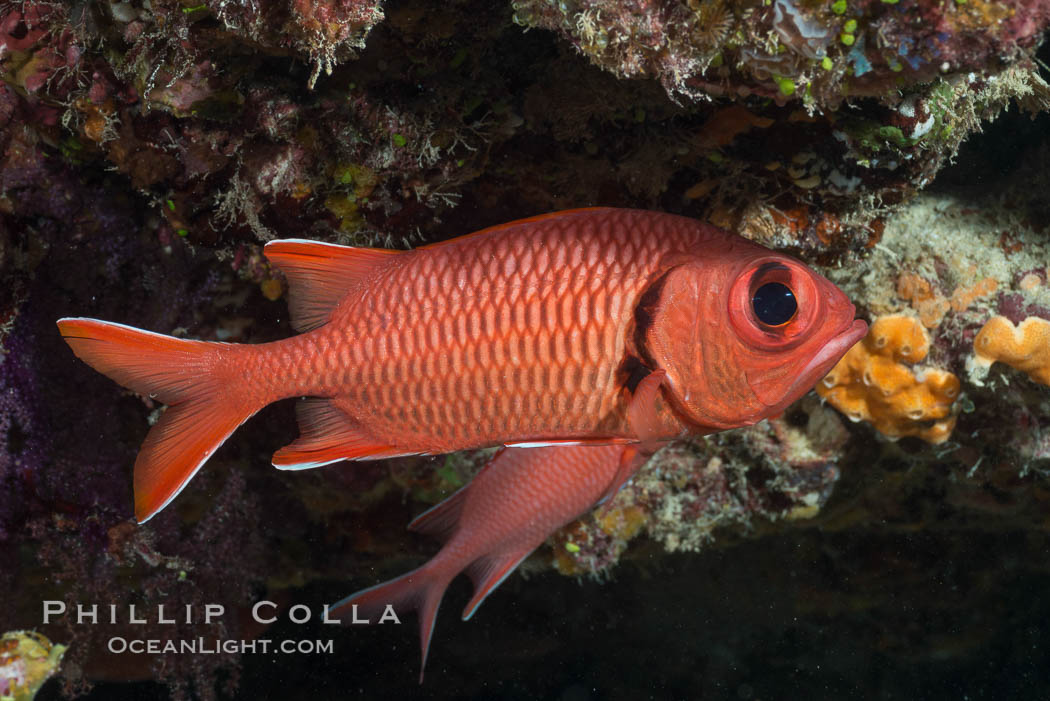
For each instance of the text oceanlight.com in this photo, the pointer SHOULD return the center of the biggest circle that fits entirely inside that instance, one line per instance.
(203, 646)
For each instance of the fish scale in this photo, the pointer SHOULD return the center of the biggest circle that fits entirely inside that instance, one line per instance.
(532, 347)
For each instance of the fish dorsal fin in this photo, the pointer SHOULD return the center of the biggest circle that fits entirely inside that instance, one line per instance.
(320, 275)
(549, 216)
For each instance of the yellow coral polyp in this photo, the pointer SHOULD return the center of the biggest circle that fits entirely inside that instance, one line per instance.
(1025, 347)
(873, 383)
(623, 522)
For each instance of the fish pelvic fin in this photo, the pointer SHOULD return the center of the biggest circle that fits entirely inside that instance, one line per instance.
(320, 275)
(420, 590)
(441, 520)
(489, 572)
(204, 407)
(329, 435)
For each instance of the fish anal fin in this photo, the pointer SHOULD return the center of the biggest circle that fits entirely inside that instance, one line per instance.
(320, 275)
(328, 435)
(488, 573)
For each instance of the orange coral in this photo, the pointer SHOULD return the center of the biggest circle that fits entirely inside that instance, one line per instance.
(963, 297)
(622, 522)
(872, 383)
(726, 125)
(928, 302)
(99, 120)
(1025, 347)
(272, 289)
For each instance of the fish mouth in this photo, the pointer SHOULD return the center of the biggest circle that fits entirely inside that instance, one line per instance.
(829, 355)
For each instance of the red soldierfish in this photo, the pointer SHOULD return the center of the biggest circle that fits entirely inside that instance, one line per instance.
(591, 326)
(490, 526)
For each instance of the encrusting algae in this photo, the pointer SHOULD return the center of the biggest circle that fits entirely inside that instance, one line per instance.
(1025, 347)
(874, 383)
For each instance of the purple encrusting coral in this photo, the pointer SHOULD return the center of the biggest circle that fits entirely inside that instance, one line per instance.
(45, 203)
(65, 444)
(15, 419)
(66, 452)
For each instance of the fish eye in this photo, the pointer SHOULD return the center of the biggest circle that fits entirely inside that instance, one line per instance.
(774, 304)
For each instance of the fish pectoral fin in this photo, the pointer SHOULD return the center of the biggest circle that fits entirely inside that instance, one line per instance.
(320, 275)
(488, 572)
(641, 410)
(641, 416)
(329, 435)
(630, 460)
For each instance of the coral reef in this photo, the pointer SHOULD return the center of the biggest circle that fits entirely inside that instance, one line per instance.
(873, 383)
(27, 660)
(953, 258)
(782, 469)
(918, 76)
(229, 139)
(821, 53)
(148, 149)
(219, 149)
(1025, 347)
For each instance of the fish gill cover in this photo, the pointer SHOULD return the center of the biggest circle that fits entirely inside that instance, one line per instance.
(149, 149)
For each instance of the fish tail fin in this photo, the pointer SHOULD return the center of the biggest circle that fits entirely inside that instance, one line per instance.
(204, 407)
(420, 590)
